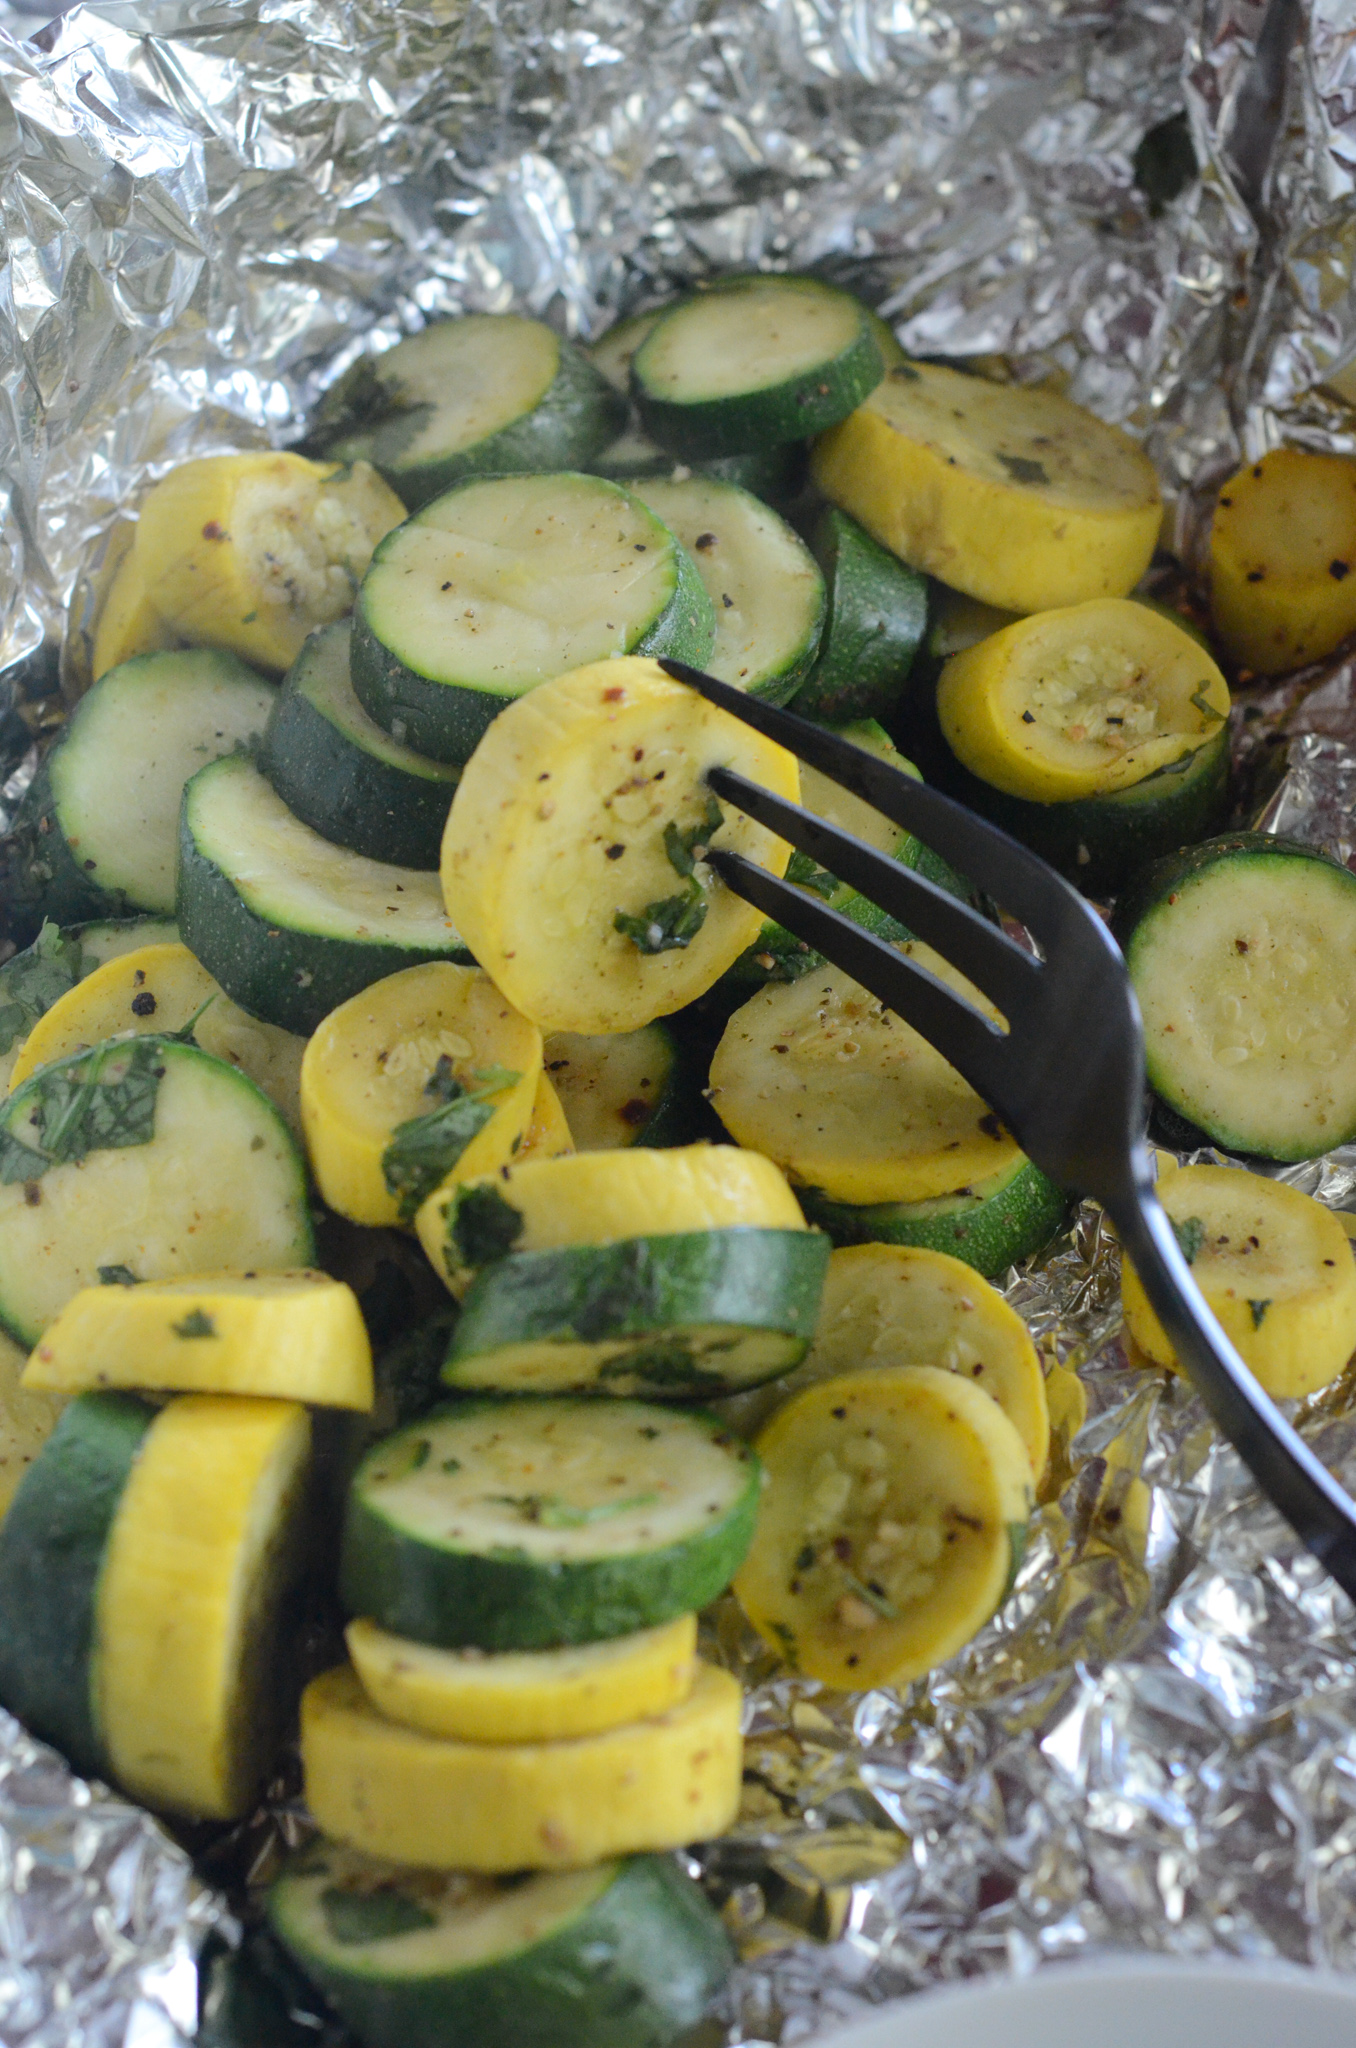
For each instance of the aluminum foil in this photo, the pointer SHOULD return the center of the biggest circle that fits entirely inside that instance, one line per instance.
(207, 211)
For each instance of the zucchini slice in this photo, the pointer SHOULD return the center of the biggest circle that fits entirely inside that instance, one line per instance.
(290, 1336)
(624, 1955)
(27, 1419)
(426, 1078)
(291, 926)
(613, 352)
(876, 615)
(1080, 702)
(889, 1120)
(1275, 1267)
(526, 1695)
(1004, 491)
(134, 1158)
(893, 1521)
(486, 394)
(1282, 546)
(989, 1225)
(341, 774)
(1242, 952)
(764, 584)
(99, 827)
(573, 856)
(620, 1088)
(518, 1525)
(505, 582)
(753, 361)
(687, 1316)
(500, 1806)
(246, 552)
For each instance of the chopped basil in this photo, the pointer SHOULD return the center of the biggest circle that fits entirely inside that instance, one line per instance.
(1259, 1309)
(117, 1276)
(685, 849)
(33, 980)
(549, 1511)
(1204, 706)
(355, 1917)
(424, 1150)
(97, 1101)
(195, 1324)
(673, 921)
(1190, 1237)
(481, 1227)
(804, 874)
(1024, 470)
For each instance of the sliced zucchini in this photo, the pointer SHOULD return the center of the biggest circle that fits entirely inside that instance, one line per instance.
(505, 582)
(613, 352)
(291, 1336)
(1282, 546)
(341, 774)
(108, 938)
(246, 552)
(291, 926)
(1242, 952)
(893, 1520)
(486, 394)
(620, 1088)
(1004, 491)
(624, 1955)
(850, 1100)
(764, 585)
(548, 1135)
(500, 1806)
(1080, 702)
(425, 1078)
(27, 1419)
(518, 1525)
(989, 1225)
(685, 1316)
(134, 1158)
(751, 362)
(99, 827)
(573, 856)
(876, 615)
(526, 1695)
(1275, 1267)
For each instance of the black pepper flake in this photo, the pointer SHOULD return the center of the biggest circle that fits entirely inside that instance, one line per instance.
(1028, 718)
(727, 600)
(143, 1005)
(703, 542)
(1255, 575)
(32, 1193)
(1337, 570)
(614, 852)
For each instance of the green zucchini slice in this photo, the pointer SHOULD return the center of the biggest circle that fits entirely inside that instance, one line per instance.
(612, 354)
(502, 584)
(488, 394)
(1242, 952)
(751, 362)
(623, 1087)
(990, 1225)
(520, 1524)
(877, 612)
(690, 1315)
(290, 925)
(339, 772)
(623, 1955)
(765, 588)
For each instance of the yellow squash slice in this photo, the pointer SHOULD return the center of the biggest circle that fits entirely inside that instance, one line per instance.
(208, 1542)
(847, 1098)
(294, 1336)
(892, 1522)
(526, 1695)
(1006, 492)
(405, 1048)
(1079, 702)
(1275, 1267)
(247, 552)
(1283, 559)
(415, 1798)
(585, 803)
(548, 1133)
(27, 1419)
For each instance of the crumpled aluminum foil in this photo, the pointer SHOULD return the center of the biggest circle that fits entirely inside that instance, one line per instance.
(207, 212)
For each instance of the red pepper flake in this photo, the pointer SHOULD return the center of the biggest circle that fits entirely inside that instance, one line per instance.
(214, 530)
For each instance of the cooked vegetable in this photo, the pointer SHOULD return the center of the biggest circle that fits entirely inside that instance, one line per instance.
(877, 613)
(34, 978)
(424, 1077)
(624, 1955)
(892, 1523)
(619, 1088)
(548, 1135)
(519, 1525)
(341, 774)
(291, 926)
(1275, 1267)
(753, 361)
(1282, 547)
(133, 1158)
(573, 855)
(27, 1419)
(613, 352)
(989, 1224)
(1242, 952)
(293, 1336)
(1004, 491)
(505, 582)
(765, 588)
(486, 394)
(246, 552)
(526, 1695)
(501, 1806)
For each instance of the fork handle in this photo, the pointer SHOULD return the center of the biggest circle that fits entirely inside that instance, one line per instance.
(1317, 1508)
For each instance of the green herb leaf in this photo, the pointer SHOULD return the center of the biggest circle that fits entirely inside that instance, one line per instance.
(424, 1150)
(1259, 1309)
(673, 921)
(195, 1324)
(1024, 470)
(549, 1511)
(804, 874)
(117, 1276)
(356, 1917)
(99, 1101)
(886, 1609)
(33, 980)
(1190, 1237)
(685, 849)
(1204, 706)
(481, 1227)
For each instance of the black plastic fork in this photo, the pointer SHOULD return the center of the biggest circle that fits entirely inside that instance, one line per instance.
(1067, 1075)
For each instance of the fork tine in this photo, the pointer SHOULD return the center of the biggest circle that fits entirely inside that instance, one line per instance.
(986, 856)
(974, 1046)
(1007, 975)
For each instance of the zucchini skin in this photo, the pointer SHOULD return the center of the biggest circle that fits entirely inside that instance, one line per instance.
(876, 618)
(1157, 882)
(991, 1235)
(52, 1547)
(43, 878)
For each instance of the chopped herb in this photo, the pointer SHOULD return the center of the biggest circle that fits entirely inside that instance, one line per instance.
(549, 1511)
(806, 1557)
(33, 980)
(419, 1456)
(97, 1101)
(802, 872)
(681, 847)
(1190, 1237)
(424, 1150)
(355, 1917)
(1024, 470)
(451, 1465)
(195, 1324)
(1259, 1309)
(1204, 706)
(668, 1363)
(117, 1276)
(481, 1227)
(672, 922)
(886, 1609)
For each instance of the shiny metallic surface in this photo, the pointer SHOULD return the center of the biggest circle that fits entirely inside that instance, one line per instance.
(208, 209)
